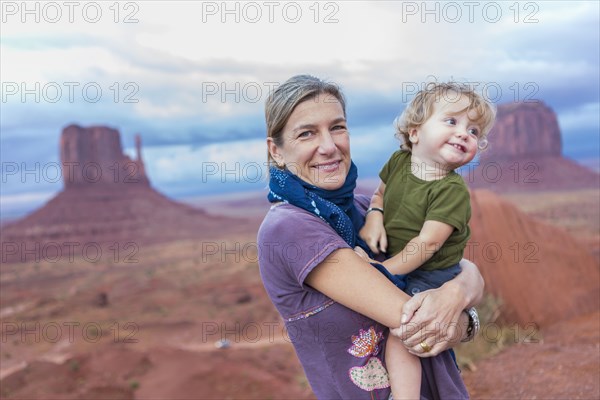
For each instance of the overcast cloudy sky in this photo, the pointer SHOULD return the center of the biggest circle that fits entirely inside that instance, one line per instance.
(192, 77)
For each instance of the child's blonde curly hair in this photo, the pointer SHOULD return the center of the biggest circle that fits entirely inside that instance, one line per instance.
(420, 109)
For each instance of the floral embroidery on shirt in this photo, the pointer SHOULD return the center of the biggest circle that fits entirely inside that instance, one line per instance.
(366, 343)
(371, 376)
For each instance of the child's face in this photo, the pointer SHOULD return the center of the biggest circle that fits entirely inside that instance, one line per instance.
(448, 139)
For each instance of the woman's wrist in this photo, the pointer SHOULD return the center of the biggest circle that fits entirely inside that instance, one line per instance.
(469, 284)
(459, 291)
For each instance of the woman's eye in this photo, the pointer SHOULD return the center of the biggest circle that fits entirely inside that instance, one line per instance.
(305, 134)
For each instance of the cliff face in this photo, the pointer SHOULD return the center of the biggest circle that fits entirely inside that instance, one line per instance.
(525, 154)
(527, 130)
(107, 199)
(94, 155)
(540, 272)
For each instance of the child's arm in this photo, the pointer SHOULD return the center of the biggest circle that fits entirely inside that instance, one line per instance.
(420, 249)
(373, 232)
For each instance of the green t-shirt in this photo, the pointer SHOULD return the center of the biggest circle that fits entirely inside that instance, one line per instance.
(409, 201)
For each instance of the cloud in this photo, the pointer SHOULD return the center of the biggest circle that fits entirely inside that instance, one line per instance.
(219, 162)
(10, 201)
(582, 117)
(199, 76)
(16, 205)
(580, 126)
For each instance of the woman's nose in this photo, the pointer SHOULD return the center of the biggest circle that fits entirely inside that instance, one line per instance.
(326, 143)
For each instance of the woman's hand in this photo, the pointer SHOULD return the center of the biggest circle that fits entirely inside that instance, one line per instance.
(432, 317)
(434, 320)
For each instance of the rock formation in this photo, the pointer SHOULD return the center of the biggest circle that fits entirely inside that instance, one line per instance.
(524, 129)
(94, 156)
(107, 201)
(539, 271)
(526, 154)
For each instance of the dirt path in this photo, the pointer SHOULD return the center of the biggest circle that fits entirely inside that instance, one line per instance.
(564, 365)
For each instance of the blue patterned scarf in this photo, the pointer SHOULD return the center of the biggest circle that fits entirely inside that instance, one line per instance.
(336, 207)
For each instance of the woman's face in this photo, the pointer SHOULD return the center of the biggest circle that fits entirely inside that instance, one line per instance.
(316, 146)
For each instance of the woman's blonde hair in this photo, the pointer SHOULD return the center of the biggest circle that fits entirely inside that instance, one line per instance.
(282, 101)
(420, 109)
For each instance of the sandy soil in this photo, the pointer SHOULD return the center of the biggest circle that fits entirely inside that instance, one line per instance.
(565, 364)
(106, 330)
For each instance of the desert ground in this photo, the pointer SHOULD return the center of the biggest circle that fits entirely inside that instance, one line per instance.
(145, 325)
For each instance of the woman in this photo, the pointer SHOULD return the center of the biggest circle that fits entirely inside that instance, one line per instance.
(335, 305)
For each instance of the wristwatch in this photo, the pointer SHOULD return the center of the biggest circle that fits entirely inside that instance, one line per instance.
(474, 325)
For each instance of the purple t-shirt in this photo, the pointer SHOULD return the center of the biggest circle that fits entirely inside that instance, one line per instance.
(341, 351)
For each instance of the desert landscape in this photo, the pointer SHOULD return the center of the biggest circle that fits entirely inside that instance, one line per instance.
(113, 291)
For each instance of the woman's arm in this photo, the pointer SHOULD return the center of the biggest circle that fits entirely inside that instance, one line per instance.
(346, 278)
(349, 280)
(436, 316)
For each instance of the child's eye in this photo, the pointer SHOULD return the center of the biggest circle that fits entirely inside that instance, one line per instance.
(474, 131)
(451, 121)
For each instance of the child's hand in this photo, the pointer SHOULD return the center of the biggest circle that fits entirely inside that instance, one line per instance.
(373, 233)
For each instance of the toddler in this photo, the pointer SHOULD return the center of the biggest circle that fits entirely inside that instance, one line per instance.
(424, 228)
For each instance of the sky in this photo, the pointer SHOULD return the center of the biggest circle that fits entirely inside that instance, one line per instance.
(191, 77)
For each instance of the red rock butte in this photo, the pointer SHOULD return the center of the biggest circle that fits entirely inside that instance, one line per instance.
(541, 273)
(107, 198)
(94, 155)
(525, 154)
